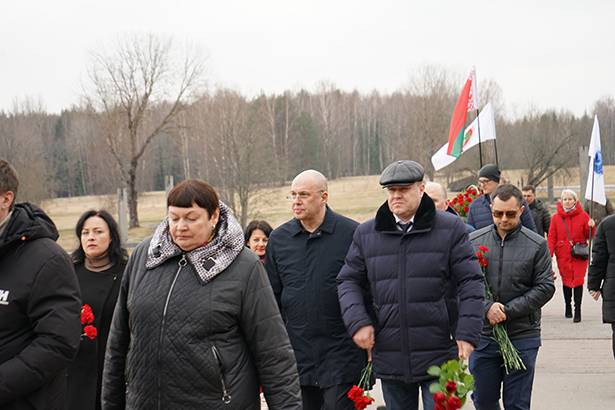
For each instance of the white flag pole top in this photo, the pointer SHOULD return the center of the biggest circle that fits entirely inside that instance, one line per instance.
(595, 179)
(473, 97)
(487, 132)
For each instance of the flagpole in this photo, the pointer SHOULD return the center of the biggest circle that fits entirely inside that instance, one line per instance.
(591, 210)
(495, 145)
(480, 150)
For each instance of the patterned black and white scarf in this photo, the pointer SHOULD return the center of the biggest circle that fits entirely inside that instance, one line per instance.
(208, 260)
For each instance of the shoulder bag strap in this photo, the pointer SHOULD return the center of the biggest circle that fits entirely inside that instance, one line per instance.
(568, 232)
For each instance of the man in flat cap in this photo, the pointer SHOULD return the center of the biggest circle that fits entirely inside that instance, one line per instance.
(479, 214)
(425, 283)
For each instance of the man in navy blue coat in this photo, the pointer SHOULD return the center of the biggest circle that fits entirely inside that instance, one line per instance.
(303, 258)
(479, 214)
(426, 287)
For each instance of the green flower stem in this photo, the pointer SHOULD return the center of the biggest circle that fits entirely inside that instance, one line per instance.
(509, 353)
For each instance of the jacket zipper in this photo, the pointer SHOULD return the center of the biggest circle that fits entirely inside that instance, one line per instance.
(226, 398)
(181, 264)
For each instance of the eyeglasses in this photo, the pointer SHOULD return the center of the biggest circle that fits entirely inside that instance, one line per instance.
(509, 214)
(303, 196)
(483, 181)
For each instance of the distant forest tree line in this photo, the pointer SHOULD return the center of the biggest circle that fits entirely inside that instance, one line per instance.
(155, 124)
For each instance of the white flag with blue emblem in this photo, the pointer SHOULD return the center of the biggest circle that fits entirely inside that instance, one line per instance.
(595, 180)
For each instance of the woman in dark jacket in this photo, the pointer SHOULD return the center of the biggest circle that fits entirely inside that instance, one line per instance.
(570, 219)
(257, 235)
(196, 325)
(99, 263)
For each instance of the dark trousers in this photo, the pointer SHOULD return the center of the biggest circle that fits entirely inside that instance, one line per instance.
(487, 366)
(405, 396)
(613, 329)
(331, 398)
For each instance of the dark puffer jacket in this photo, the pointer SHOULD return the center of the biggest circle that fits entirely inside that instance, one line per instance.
(39, 313)
(520, 276)
(427, 290)
(479, 214)
(601, 273)
(179, 343)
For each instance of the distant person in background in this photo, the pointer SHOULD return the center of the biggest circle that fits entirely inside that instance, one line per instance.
(570, 224)
(257, 235)
(99, 263)
(601, 273)
(540, 211)
(39, 305)
(438, 194)
(479, 214)
(599, 211)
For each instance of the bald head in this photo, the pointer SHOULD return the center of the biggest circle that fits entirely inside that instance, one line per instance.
(312, 177)
(309, 198)
(438, 193)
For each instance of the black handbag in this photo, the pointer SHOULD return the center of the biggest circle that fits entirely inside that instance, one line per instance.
(578, 250)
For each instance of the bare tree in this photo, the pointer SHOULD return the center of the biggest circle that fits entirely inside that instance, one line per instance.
(137, 89)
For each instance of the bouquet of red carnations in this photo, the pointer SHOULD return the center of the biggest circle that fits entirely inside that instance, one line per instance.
(360, 394)
(454, 385)
(87, 317)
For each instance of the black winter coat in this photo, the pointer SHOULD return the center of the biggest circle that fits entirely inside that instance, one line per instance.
(40, 312)
(302, 268)
(542, 217)
(84, 375)
(426, 286)
(177, 343)
(601, 273)
(520, 276)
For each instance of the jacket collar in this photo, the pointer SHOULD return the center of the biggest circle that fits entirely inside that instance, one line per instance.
(424, 219)
(510, 235)
(564, 214)
(327, 225)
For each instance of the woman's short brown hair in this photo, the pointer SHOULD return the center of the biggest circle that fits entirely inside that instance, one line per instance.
(194, 191)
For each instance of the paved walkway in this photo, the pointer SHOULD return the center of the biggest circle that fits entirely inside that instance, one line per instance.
(575, 368)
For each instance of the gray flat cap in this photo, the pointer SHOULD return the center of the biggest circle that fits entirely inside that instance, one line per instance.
(402, 173)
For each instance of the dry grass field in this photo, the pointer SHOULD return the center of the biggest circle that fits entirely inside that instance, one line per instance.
(355, 197)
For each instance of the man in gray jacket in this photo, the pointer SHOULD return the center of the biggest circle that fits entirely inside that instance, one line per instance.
(520, 277)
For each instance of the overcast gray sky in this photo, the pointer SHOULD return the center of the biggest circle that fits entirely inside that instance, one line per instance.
(549, 54)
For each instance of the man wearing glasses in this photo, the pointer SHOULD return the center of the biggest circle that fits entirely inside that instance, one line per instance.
(520, 277)
(479, 214)
(427, 291)
(303, 258)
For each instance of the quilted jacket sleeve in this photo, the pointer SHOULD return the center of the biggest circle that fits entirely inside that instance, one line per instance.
(266, 335)
(351, 284)
(113, 395)
(467, 274)
(542, 287)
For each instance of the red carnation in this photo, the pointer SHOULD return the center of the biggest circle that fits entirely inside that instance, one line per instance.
(355, 393)
(451, 387)
(363, 402)
(86, 315)
(453, 403)
(90, 331)
(482, 262)
(465, 209)
(439, 407)
(483, 249)
(439, 397)
(479, 255)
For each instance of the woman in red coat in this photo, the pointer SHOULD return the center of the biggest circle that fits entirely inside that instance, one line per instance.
(572, 270)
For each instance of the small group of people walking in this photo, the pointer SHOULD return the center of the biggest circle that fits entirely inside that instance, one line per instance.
(205, 314)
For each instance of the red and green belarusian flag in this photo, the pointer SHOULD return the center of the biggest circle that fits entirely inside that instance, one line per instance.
(468, 101)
